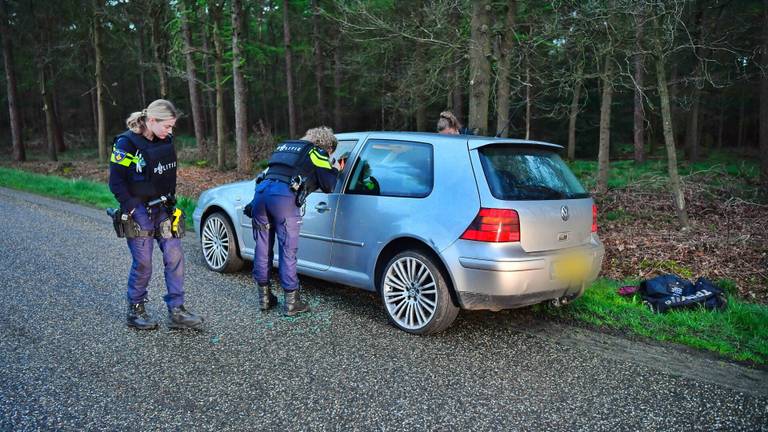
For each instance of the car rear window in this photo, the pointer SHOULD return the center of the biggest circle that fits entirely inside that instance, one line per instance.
(523, 173)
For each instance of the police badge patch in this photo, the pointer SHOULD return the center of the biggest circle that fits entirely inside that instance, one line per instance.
(119, 155)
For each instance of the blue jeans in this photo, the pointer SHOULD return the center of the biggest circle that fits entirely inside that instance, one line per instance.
(274, 204)
(141, 269)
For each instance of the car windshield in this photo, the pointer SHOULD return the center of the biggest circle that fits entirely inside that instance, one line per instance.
(523, 173)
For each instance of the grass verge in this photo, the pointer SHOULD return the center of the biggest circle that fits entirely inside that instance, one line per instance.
(90, 193)
(739, 332)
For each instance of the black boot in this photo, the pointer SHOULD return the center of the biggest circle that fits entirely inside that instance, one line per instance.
(267, 300)
(181, 318)
(138, 318)
(293, 304)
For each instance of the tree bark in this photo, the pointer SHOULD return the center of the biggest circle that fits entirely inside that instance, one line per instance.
(292, 121)
(528, 102)
(244, 165)
(209, 93)
(603, 157)
(58, 130)
(639, 112)
(574, 112)
(219, 74)
(140, 50)
(337, 83)
(48, 110)
(669, 140)
(692, 129)
(322, 111)
(764, 104)
(101, 135)
(479, 67)
(503, 70)
(158, 12)
(19, 153)
(194, 94)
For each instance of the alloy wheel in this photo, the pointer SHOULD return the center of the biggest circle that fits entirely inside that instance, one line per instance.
(215, 240)
(410, 293)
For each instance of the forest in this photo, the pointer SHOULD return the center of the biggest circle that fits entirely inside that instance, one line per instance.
(661, 107)
(608, 79)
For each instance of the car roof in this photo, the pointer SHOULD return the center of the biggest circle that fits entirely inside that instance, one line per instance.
(473, 141)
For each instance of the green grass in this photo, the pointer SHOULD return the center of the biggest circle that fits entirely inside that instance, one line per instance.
(739, 332)
(90, 193)
(654, 172)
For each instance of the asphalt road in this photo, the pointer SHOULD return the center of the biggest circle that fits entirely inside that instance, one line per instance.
(68, 362)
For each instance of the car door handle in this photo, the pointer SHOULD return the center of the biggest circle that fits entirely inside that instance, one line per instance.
(322, 207)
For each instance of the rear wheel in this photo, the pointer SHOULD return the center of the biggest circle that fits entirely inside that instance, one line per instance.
(415, 294)
(219, 243)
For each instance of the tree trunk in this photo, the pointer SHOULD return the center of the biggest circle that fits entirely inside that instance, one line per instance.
(194, 94)
(639, 117)
(503, 70)
(19, 153)
(764, 105)
(528, 102)
(322, 111)
(58, 130)
(337, 77)
(208, 90)
(720, 124)
(292, 126)
(45, 95)
(140, 50)
(479, 67)
(574, 112)
(241, 89)
(603, 157)
(669, 141)
(101, 135)
(692, 130)
(740, 139)
(158, 13)
(219, 73)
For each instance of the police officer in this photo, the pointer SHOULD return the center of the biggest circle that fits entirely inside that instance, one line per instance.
(142, 170)
(295, 168)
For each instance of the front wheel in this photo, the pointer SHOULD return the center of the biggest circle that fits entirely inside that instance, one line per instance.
(219, 243)
(415, 294)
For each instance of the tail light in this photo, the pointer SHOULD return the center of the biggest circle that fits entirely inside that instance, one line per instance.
(494, 225)
(594, 218)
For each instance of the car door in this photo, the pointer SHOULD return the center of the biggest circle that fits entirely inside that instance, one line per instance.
(319, 211)
(387, 186)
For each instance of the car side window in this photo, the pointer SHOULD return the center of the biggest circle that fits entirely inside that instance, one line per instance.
(342, 153)
(393, 168)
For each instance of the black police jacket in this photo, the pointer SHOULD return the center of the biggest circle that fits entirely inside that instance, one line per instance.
(297, 157)
(141, 170)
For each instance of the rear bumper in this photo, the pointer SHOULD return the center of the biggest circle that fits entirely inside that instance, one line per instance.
(514, 278)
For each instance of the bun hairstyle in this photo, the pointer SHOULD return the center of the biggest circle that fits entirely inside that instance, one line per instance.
(159, 109)
(322, 137)
(448, 121)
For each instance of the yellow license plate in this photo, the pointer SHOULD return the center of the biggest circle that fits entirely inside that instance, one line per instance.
(571, 268)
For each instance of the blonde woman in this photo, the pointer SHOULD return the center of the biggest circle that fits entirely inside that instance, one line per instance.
(142, 176)
(448, 124)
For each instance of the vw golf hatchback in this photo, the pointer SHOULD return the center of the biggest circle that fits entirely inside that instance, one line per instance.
(433, 223)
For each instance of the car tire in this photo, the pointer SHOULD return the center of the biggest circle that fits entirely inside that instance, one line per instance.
(219, 243)
(415, 295)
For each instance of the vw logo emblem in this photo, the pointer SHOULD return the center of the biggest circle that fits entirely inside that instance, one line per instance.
(564, 213)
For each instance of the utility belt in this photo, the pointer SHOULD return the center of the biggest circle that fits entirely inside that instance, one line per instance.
(297, 184)
(126, 227)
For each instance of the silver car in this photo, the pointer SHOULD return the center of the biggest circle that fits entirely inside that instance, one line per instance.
(433, 223)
